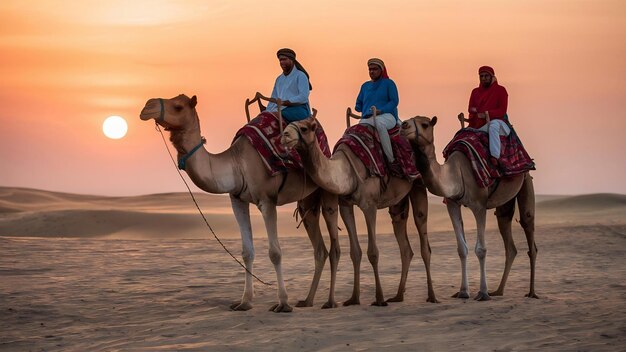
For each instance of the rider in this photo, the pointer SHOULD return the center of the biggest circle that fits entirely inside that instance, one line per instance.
(491, 99)
(292, 87)
(380, 93)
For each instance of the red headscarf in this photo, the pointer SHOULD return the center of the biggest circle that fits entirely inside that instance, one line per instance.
(487, 69)
(379, 63)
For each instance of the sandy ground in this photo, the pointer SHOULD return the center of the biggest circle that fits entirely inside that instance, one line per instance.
(88, 273)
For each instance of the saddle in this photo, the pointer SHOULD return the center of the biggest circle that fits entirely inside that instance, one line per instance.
(264, 133)
(474, 144)
(364, 142)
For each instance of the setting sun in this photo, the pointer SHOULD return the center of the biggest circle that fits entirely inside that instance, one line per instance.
(114, 127)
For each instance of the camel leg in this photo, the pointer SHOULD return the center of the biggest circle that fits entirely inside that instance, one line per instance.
(241, 210)
(347, 215)
(504, 214)
(399, 215)
(419, 202)
(454, 210)
(480, 213)
(372, 252)
(330, 204)
(309, 210)
(268, 211)
(526, 203)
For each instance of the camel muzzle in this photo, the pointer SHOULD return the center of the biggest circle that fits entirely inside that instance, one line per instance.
(154, 109)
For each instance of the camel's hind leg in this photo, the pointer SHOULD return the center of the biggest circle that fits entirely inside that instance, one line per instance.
(309, 211)
(419, 202)
(504, 214)
(347, 215)
(526, 203)
(399, 216)
(268, 210)
(241, 210)
(330, 204)
(454, 210)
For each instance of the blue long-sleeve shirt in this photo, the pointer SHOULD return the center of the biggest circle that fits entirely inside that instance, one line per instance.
(383, 94)
(293, 87)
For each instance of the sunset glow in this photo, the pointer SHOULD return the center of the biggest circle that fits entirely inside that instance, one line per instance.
(66, 64)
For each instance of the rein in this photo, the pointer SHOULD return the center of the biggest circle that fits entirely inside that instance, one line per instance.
(161, 117)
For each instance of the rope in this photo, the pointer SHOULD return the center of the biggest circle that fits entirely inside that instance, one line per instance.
(202, 214)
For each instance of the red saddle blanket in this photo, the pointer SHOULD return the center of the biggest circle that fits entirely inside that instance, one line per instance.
(474, 145)
(365, 143)
(263, 132)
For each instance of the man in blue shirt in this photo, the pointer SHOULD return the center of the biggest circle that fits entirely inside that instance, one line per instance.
(292, 87)
(381, 94)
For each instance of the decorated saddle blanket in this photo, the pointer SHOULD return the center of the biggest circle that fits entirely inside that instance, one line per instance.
(264, 133)
(364, 142)
(474, 144)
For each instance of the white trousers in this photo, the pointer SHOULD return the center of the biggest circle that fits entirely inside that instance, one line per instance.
(383, 123)
(495, 128)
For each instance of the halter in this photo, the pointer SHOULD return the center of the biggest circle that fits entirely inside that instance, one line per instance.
(182, 161)
(162, 113)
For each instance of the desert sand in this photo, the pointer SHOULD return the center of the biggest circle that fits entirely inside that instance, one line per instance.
(92, 273)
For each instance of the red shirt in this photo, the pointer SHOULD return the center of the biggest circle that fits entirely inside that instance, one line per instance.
(493, 99)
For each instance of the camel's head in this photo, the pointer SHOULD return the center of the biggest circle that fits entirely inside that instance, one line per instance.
(297, 132)
(173, 114)
(419, 130)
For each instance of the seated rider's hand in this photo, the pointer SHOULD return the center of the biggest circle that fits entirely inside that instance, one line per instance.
(481, 115)
(473, 110)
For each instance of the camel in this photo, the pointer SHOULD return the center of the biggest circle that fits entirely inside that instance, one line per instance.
(346, 176)
(455, 182)
(240, 172)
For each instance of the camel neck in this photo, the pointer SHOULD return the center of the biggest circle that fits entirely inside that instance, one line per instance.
(434, 175)
(334, 175)
(213, 173)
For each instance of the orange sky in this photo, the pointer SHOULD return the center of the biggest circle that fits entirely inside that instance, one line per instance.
(67, 65)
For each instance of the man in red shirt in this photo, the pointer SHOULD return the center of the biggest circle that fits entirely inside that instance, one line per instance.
(489, 99)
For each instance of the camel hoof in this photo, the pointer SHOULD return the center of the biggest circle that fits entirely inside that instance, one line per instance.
(240, 306)
(461, 294)
(281, 308)
(496, 293)
(352, 302)
(329, 304)
(531, 295)
(432, 300)
(397, 298)
(304, 303)
(379, 304)
(481, 296)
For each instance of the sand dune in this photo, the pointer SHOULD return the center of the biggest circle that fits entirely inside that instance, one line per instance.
(75, 277)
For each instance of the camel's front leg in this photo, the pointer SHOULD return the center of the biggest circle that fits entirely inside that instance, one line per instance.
(330, 212)
(268, 210)
(454, 210)
(526, 203)
(309, 210)
(481, 251)
(399, 215)
(372, 252)
(419, 202)
(347, 215)
(242, 214)
(504, 214)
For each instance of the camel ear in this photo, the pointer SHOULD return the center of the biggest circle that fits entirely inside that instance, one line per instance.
(433, 121)
(193, 102)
